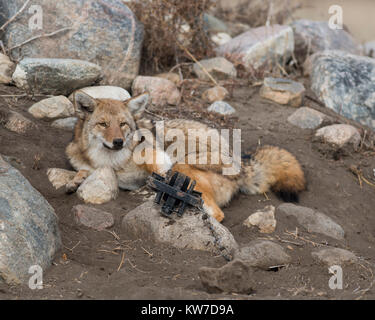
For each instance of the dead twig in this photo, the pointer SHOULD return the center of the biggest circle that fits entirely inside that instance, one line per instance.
(9, 21)
(150, 254)
(360, 176)
(291, 242)
(108, 251)
(71, 250)
(296, 236)
(122, 261)
(46, 35)
(180, 65)
(198, 63)
(135, 267)
(114, 234)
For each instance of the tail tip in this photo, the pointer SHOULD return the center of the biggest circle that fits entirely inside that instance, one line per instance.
(288, 196)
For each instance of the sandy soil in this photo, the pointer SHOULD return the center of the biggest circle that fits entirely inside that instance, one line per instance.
(85, 269)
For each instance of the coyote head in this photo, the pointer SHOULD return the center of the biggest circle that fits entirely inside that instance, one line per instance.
(109, 123)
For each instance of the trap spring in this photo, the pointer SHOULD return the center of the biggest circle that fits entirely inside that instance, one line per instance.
(177, 191)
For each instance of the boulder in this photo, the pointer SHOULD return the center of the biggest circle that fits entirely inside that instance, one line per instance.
(92, 217)
(261, 47)
(346, 84)
(334, 256)
(105, 92)
(219, 68)
(263, 254)
(55, 76)
(162, 91)
(16, 122)
(283, 91)
(234, 277)
(60, 177)
(29, 233)
(340, 135)
(6, 69)
(217, 93)
(100, 187)
(307, 118)
(312, 220)
(313, 36)
(264, 219)
(187, 232)
(222, 108)
(54, 107)
(66, 123)
(104, 32)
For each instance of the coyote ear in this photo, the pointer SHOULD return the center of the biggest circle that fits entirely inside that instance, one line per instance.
(83, 102)
(137, 105)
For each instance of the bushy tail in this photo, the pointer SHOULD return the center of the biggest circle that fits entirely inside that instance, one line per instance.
(272, 168)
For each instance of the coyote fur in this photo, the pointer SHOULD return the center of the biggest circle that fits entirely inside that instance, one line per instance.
(104, 136)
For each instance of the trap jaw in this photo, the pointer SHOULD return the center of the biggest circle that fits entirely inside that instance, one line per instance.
(176, 190)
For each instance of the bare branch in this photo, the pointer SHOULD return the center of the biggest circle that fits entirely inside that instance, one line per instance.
(46, 35)
(15, 16)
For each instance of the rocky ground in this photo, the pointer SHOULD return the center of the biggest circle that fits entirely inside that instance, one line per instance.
(87, 265)
(302, 86)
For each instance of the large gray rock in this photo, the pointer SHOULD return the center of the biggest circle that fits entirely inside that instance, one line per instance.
(313, 36)
(307, 118)
(92, 217)
(99, 187)
(261, 47)
(221, 107)
(219, 67)
(104, 32)
(55, 76)
(188, 232)
(312, 220)
(29, 232)
(162, 91)
(105, 92)
(346, 84)
(263, 254)
(264, 219)
(66, 123)
(283, 91)
(15, 121)
(54, 107)
(334, 256)
(236, 276)
(340, 135)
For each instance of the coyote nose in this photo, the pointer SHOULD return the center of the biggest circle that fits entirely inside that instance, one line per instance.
(118, 143)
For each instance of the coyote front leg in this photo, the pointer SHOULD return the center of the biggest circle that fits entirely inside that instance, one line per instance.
(73, 184)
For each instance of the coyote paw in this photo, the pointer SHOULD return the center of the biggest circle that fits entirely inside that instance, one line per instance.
(73, 184)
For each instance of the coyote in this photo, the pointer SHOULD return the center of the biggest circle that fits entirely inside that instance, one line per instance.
(104, 136)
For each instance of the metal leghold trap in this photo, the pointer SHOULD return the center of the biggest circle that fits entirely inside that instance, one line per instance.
(177, 191)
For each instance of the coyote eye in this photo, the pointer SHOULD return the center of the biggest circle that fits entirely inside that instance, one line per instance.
(122, 124)
(103, 124)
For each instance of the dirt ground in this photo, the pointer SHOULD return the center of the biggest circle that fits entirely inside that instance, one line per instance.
(85, 268)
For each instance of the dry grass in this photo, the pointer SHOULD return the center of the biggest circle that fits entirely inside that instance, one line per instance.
(167, 23)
